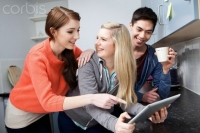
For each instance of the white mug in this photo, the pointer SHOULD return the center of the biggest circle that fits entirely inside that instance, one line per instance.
(162, 53)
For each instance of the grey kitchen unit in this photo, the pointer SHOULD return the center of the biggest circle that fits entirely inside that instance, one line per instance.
(182, 24)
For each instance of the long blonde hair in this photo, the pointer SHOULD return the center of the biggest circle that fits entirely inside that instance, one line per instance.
(124, 61)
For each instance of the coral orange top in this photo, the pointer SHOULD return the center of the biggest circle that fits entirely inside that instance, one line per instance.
(41, 87)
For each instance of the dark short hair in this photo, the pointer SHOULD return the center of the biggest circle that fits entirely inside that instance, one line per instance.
(145, 13)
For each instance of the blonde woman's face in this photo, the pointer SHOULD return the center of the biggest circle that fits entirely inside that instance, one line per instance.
(104, 44)
(68, 34)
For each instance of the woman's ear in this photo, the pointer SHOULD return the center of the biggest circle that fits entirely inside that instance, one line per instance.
(52, 31)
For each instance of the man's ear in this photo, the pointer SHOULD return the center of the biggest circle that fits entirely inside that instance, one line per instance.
(130, 25)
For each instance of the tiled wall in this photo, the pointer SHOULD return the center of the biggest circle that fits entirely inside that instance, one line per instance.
(188, 62)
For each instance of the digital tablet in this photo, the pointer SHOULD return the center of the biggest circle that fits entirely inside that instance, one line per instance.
(150, 109)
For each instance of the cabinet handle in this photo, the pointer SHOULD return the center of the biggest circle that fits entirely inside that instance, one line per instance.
(159, 19)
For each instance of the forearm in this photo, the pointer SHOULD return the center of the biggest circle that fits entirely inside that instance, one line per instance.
(164, 85)
(102, 116)
(139, 96)
(77, 101)
(165, 70)
(161, 80)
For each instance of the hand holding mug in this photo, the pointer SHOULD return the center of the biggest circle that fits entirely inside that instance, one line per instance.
(166, 56)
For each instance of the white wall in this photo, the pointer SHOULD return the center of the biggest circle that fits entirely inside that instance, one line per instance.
(14, 37)
(43, 1)
(96, 12)
(188, 64)
(43, 8)
(47, 6)
(16, 31)
(14, 42)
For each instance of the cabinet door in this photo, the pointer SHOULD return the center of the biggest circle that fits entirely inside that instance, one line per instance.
(152, 39)
(158, 7)
(183, 12)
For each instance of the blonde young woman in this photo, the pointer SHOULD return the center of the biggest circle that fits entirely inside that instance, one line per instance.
(49, 73)
(112, 70)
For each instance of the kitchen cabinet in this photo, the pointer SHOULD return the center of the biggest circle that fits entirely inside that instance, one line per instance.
(169, 31)
(39, 23)
(183, 13)
(158, 7)
(183, 25)
(147, 3)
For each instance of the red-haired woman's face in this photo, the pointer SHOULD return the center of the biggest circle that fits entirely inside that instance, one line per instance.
(67, 35)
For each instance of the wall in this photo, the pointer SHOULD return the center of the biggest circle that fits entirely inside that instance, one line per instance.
(43, 8)
(43, 1)
(15, 36)
(14, 42)
(188, 64)
(96, 12)
(16, 31)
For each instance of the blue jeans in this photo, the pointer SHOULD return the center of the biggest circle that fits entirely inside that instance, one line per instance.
(40, 126)
(66, 125)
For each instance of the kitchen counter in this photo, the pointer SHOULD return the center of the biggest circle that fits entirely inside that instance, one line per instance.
(4, 95)
(183, 115)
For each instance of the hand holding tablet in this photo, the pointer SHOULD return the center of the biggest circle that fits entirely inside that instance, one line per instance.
(150, 109)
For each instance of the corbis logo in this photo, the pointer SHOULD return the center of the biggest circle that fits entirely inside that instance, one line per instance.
(27, 8)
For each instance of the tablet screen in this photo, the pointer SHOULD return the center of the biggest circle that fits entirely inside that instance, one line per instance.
(150, 109)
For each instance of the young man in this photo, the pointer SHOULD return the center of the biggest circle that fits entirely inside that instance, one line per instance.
(142, 26)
